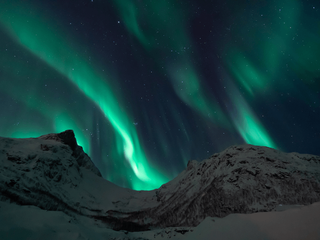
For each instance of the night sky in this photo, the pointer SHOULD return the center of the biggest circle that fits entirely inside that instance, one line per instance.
(148, 85)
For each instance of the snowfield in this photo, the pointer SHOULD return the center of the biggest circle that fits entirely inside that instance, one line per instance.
(29, 222)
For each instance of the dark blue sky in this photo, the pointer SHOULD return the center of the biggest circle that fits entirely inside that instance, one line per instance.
(149, 85)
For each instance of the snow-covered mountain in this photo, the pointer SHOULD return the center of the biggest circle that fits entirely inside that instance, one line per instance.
(241, 179)
(52, 173)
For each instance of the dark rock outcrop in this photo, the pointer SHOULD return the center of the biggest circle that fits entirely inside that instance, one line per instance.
(44, 172)
(241, 179)
(68, 138)
(53, 173)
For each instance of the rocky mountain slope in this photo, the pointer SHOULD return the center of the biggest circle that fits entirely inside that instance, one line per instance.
(53, 173)
(241, 179)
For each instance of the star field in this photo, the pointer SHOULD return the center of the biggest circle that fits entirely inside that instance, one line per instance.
(149, 85)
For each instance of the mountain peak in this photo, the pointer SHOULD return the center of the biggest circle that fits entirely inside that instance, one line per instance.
(67, 137)
(51, 172)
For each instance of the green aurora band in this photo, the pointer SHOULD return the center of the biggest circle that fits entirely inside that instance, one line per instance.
(256, 72)
(32, 30)
(246, 122)
(255, 56)
(150, 25)
(38, 107)
(283, 46)
(144, 23)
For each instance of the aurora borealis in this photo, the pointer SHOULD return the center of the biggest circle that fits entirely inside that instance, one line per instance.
(148, 85)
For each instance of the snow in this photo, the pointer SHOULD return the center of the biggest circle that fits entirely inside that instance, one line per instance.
(293, 224)
(29, 222)
(47, 174)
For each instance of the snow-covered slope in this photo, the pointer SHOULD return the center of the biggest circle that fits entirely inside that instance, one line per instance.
(241, 179)
(32, 223)
(53, 173)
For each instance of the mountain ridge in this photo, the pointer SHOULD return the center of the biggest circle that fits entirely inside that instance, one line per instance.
(52, 172)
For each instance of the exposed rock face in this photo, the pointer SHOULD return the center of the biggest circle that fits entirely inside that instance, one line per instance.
(241, 179)
(53, 173)
(67, 137)
(43, 171)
